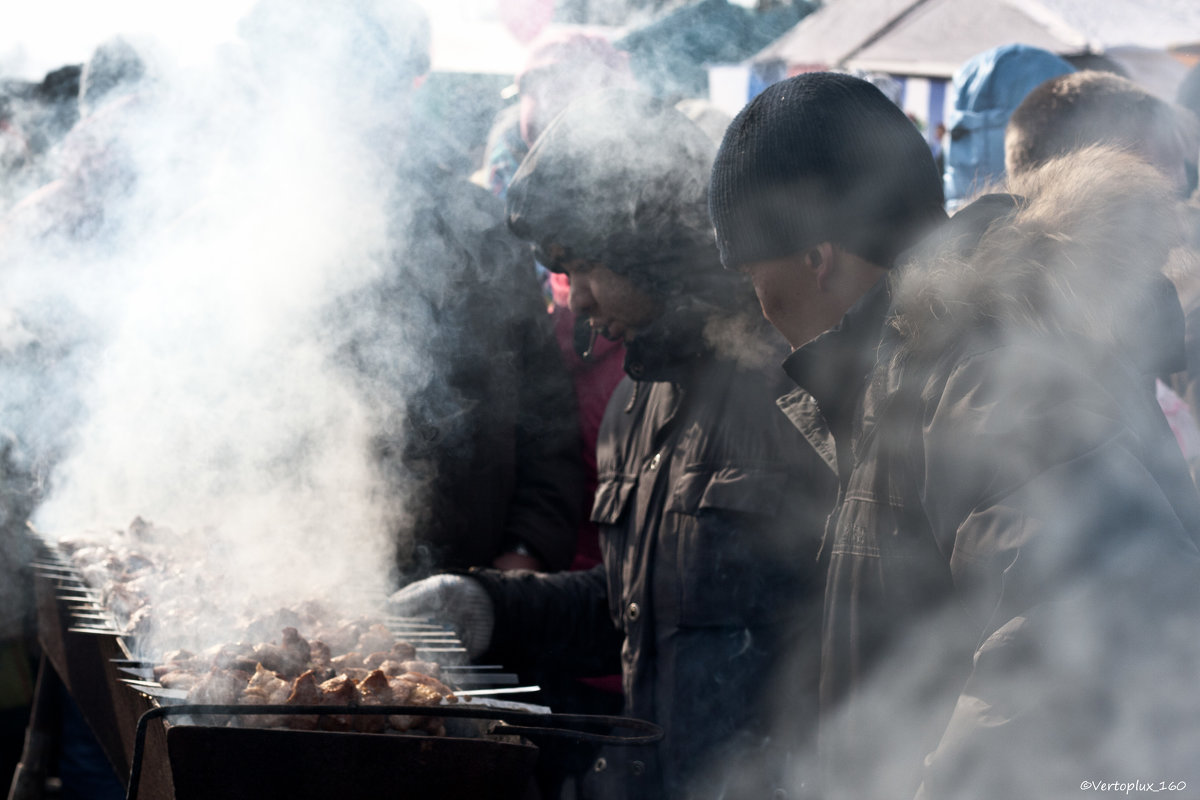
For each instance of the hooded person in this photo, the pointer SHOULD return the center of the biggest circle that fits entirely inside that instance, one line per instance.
(1088, 108)
(560, 67)
(1015, 542)
(707, 582)
(1070, 112)
(99, 162)
(985, 91)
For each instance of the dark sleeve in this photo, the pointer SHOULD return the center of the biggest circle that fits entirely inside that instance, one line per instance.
(1062, 511)
(556, 621)
(549, 500)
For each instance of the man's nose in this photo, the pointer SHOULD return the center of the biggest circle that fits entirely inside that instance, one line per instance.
(580, 299)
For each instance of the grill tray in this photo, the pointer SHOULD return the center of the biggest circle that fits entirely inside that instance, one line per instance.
(204, 761)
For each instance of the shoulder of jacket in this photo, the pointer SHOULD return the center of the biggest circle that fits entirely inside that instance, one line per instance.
(1074, 252)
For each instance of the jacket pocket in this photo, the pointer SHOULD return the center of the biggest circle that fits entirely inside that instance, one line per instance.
(612, 499)
(725, 523)
(734, 489)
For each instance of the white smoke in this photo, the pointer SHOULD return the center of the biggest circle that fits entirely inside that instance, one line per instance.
(168, 323)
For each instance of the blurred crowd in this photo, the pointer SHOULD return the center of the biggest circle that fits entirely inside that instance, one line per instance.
(951, 549)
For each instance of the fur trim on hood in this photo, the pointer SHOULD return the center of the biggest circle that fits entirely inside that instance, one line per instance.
(1077, 251)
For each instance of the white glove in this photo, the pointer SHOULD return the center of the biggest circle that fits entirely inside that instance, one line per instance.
(456, 600)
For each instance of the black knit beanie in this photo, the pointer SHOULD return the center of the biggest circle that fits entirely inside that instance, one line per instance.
(822, 157)
(620, 178)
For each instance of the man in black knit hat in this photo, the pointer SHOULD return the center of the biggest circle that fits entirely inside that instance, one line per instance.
(1015, 542)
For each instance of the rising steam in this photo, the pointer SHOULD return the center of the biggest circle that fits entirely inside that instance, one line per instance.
(167, 325)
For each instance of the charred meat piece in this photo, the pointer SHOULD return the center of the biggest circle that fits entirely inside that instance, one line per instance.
(418, 690)
(399, 651)
(219, 687)
(423, 667)
(296, 650)
(377, 638)
(319, 661)
(270, 656)
(428, 681)
(375, 659)
(140, 622)
(393, 669)
(192, 665)
(341, 638)
(320, 656)
(351, 660)
(403, 651)
(267, 688)
(118, 598)
(291, 658)
(339, 691)
(305, 692)
(265, 626)
(401, 695)
(373, 690)
(235, 656)
(135, 563)
(178, 679)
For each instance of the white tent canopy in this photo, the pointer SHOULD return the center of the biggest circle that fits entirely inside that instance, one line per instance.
(834, 32)
(937, 36)
(932, 38)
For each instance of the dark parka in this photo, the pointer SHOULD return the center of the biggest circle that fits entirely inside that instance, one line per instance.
(709, 511)
(1011, 603)
(477, 432)
(709, 503)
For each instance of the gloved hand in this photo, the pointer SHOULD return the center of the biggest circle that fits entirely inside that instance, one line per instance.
(456, 600)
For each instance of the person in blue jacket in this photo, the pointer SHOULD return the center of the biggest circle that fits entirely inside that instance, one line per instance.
(986, 89)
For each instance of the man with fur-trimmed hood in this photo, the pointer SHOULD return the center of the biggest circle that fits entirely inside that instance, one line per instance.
(1071, 112)
(1013, 569)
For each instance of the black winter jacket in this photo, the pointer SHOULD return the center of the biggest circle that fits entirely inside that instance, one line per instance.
(477, 431)
(1013, 557)
(709, 509)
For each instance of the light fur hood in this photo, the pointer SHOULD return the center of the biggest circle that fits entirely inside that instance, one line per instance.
(1080, 251)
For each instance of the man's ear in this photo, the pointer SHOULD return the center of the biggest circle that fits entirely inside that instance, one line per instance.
(821, 259)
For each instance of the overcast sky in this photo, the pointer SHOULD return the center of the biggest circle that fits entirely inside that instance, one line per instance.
(37, 36)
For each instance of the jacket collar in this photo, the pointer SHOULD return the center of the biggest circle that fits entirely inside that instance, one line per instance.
(670, 346)
(834, 368)
(801, 410)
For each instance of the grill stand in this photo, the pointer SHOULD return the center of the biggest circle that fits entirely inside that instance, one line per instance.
(29, 778)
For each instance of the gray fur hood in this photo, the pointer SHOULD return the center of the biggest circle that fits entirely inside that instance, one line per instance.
(1076, 249)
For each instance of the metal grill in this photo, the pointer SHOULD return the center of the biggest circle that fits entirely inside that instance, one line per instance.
(490, 749)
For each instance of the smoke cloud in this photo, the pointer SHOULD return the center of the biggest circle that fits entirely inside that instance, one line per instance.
(179, 299)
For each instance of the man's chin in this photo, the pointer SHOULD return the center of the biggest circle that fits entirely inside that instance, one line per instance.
(617, 333)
